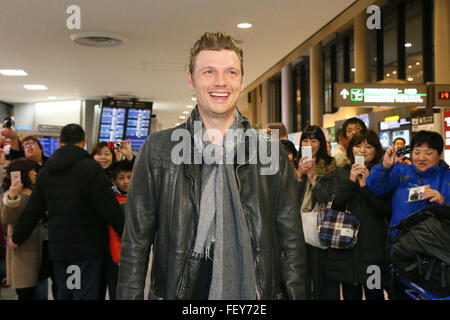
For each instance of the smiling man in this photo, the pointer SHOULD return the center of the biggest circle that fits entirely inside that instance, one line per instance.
(219, 230)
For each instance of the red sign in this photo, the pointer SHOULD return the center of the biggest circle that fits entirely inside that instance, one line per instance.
(447, 129)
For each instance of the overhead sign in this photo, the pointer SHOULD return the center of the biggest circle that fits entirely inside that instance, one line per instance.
(369, 95)
(387, 125)
(393, 118)
(447, 129)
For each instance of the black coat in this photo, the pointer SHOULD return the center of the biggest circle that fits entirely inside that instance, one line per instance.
(79, 200)
(350, 265)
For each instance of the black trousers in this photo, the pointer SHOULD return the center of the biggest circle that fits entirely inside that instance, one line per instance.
(317, 285)
(85, 273)
(47, 269)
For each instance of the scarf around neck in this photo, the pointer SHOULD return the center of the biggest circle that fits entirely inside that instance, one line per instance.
(222, 226)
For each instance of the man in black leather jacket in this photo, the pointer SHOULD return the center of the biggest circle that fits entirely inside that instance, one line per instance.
(219, 230)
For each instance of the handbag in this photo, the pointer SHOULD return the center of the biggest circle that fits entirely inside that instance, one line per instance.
(337, 229)
(310, 223)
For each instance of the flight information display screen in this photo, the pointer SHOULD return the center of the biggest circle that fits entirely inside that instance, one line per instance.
(138, 125)
(49, 144)
(112, 124)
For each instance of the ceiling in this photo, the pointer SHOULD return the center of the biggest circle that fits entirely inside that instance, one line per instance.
(151, 64)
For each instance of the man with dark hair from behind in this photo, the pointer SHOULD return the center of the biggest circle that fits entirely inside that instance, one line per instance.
(74, 190)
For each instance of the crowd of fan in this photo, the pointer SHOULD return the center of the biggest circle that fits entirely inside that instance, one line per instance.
(354, 187)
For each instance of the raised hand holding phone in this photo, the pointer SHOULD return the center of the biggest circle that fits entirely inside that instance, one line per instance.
(16, 185)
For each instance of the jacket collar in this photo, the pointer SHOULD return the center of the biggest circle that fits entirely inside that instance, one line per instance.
(442, 167)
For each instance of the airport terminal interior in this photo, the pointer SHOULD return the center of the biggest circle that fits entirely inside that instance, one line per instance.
(119, 69)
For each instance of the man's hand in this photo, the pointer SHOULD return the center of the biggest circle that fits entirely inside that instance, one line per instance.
(390, 157)
(433, 196)
(12, 244)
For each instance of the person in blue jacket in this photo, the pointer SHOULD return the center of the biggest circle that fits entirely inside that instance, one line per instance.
(426, 170)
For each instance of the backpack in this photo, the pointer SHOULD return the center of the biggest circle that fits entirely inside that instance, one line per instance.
(420, 251)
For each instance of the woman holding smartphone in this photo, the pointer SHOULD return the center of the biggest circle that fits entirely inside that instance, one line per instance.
(23, 263)
(314, 173)
(351, 266)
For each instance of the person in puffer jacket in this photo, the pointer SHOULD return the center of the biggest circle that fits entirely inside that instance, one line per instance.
(426, 170)
(424, 183)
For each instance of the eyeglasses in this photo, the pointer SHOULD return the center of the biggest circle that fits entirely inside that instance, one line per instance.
(29, 144)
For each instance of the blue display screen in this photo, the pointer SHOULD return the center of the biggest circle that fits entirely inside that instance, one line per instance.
(138, 125)
(112, 124)
(50, 144)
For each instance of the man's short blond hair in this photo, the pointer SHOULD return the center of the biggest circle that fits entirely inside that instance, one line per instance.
(215, 41)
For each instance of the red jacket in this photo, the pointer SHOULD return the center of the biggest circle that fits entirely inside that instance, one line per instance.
(114, 240)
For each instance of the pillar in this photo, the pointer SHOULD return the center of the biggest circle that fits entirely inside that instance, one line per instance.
(316, 84)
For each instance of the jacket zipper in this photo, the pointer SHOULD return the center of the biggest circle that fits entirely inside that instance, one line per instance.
(252, 237)
(186, 268)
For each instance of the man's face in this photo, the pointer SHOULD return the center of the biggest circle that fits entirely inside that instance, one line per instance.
(399, 143)
(32, 150)
(424, 157)
(352, 129)
(217, 82)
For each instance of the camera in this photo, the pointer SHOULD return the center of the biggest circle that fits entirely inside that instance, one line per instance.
(117, 145)
(404, 150)
(8, 122)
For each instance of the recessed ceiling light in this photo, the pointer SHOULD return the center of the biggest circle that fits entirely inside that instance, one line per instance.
(194, 99)
(394, 72)
(98, 39)
(408, 45)
(244, 25)
(410, 66)
(51, 98)
(189, 106)
(417, 63)
(182, 117)
(13, 72)
(186, 112)
(388, 74)
(410, 79)
(35, 87)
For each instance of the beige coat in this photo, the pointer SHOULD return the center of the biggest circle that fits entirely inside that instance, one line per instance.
(23, 263)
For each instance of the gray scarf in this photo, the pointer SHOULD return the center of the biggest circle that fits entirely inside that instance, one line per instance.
(222, 224)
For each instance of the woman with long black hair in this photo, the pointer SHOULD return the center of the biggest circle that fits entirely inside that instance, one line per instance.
(314, 178)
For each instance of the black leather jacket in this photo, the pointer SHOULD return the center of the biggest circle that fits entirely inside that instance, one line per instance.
(163, 209)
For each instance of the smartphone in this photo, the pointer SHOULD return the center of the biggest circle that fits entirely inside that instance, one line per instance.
(15, 175)
(307, 152)
(359, 160)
